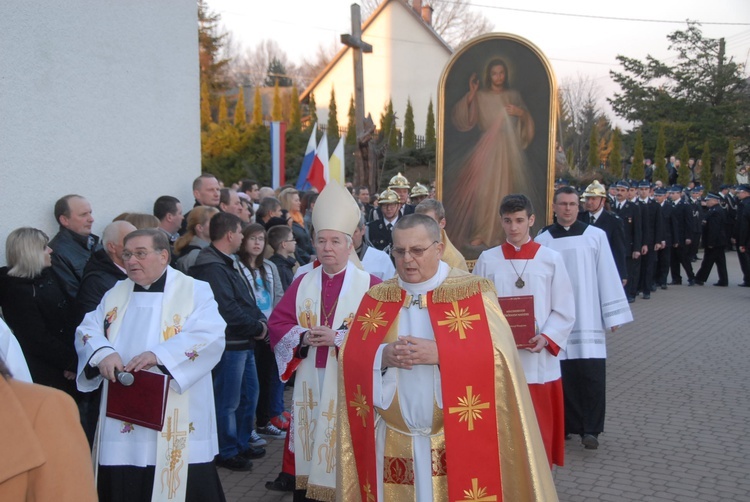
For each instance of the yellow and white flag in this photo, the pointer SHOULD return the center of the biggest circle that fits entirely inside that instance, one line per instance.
(336, 163)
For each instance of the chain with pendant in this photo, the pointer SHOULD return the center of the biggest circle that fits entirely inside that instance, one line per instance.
(519, 282)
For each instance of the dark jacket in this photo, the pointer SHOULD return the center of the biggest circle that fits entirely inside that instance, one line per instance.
(42, 319)
(670, 224)
(304, 249)
(714, 228)
(286, 269)
(630, 214)
(613, 227)
(99, 276)
(71, 253)
(232, 292)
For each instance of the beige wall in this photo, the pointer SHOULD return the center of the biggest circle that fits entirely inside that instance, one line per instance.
(406, 62)
(100, 98)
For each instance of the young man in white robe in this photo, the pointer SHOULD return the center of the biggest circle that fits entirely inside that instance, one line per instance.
(601, 305)
(161, 321)
(522, 267)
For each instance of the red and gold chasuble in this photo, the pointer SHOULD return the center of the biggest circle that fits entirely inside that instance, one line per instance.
(475, 415)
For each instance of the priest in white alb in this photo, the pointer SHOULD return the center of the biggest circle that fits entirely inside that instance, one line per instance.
(522, 267)
(161, 321)
(433, 404)
(306, 329)
(601, 305)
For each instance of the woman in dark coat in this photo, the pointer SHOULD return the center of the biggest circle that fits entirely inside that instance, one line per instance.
(38, 311)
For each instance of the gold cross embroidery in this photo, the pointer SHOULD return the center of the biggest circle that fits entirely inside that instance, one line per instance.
(372, 320)
(368, 492)
(360, 404)
(459, 319)
(469, 408)
(478, 494)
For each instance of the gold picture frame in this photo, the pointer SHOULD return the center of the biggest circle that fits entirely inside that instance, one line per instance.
(497, 117)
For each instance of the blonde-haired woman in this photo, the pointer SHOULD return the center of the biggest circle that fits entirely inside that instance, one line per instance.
(290, 202)
(196, 237)
(38, 311)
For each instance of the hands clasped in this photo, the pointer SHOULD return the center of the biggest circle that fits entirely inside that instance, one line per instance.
(408, 351)
(320, 336)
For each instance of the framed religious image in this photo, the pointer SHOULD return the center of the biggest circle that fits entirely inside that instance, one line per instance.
(497, 103)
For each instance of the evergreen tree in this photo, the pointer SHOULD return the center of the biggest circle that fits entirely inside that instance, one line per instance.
(296, 113)
(351, 126)
(730, 169)
(683, 173)
(277, 74)
(205, 106)
(276, 108)
(410, 136)
(429, 133)
(615, 159)
(313, 110)
(706, 173)
(636, 170)
(257, 108)
(332, 127)
(223, 112)
(660, 160)
(594, 150)
(213, 69)
(388, 126)
(240, 112)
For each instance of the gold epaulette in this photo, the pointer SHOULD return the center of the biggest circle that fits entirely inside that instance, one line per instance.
(387, 291)
(460, 287)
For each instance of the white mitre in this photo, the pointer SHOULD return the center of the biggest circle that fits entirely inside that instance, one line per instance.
(335, 209)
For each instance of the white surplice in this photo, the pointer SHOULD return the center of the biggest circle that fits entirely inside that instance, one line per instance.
(599, 297)
(378, 263)
(416, 402)
(189, 356)
(546, 279)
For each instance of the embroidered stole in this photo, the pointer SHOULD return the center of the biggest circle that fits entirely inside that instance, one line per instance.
(314, 402)
(172, 444)
(469, 414)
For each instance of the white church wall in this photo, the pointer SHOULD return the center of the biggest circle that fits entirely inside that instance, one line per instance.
(99, 98)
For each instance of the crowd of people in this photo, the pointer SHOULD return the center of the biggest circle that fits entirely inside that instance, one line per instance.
(364, 305)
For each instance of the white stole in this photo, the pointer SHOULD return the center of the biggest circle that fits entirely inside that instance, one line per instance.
(172, 453)
(314, 403)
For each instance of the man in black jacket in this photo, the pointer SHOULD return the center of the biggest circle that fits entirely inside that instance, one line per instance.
(670, 232)
(682, 214)
(74, 243)
(630, 215)
(596, 214)
(714, 242)
(742, 232)
(653, 238)
(235, 377)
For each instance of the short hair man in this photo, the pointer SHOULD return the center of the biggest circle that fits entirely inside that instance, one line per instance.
(161, 321)
(630, 214)
(522, 267)
(600, 304)
(411, 343)
(671, 235)
(269, 207)
(435, 210)
(251, 189)
(715, 241)
(168, 210)
(307, 327)
(683, 216)
(207, 192)
(229, 202)
(74, 242)
(374, 261)
(235, 377)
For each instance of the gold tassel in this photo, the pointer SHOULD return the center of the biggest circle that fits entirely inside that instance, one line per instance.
(461, 287)
(388, 291)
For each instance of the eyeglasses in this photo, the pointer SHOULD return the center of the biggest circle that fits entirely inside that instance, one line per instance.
(139, 255)
(259, 238)
(414, 252)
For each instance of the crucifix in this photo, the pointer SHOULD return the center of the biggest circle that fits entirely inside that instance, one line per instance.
(364, 158)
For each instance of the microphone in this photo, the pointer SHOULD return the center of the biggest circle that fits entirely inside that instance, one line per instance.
(124, 378)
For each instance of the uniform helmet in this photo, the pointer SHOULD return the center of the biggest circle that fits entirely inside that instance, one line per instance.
(399, 181)
(595, 189)
(388, 196)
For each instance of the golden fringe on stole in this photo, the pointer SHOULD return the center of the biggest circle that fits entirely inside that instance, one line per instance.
(324, 493)
(460, 287)
(387, 291)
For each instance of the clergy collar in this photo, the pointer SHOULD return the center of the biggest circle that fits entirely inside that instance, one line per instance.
(428, 285)
(526, 252)
(155, 287)
(331, 276)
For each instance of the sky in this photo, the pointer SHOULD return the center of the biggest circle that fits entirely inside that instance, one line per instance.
(577, 37)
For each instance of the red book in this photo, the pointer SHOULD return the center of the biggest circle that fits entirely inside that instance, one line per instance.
(519, 312)
(144, 403)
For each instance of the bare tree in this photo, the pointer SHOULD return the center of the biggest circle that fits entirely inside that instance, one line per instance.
(251, 66)
(311, 68)
(581, 103)
(454, 20)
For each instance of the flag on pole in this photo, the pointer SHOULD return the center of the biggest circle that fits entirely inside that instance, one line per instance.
(278, 153)
(318, 176)
(336, 165)
(302, 183)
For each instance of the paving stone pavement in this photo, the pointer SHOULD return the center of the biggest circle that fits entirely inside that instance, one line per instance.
(678, 407)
